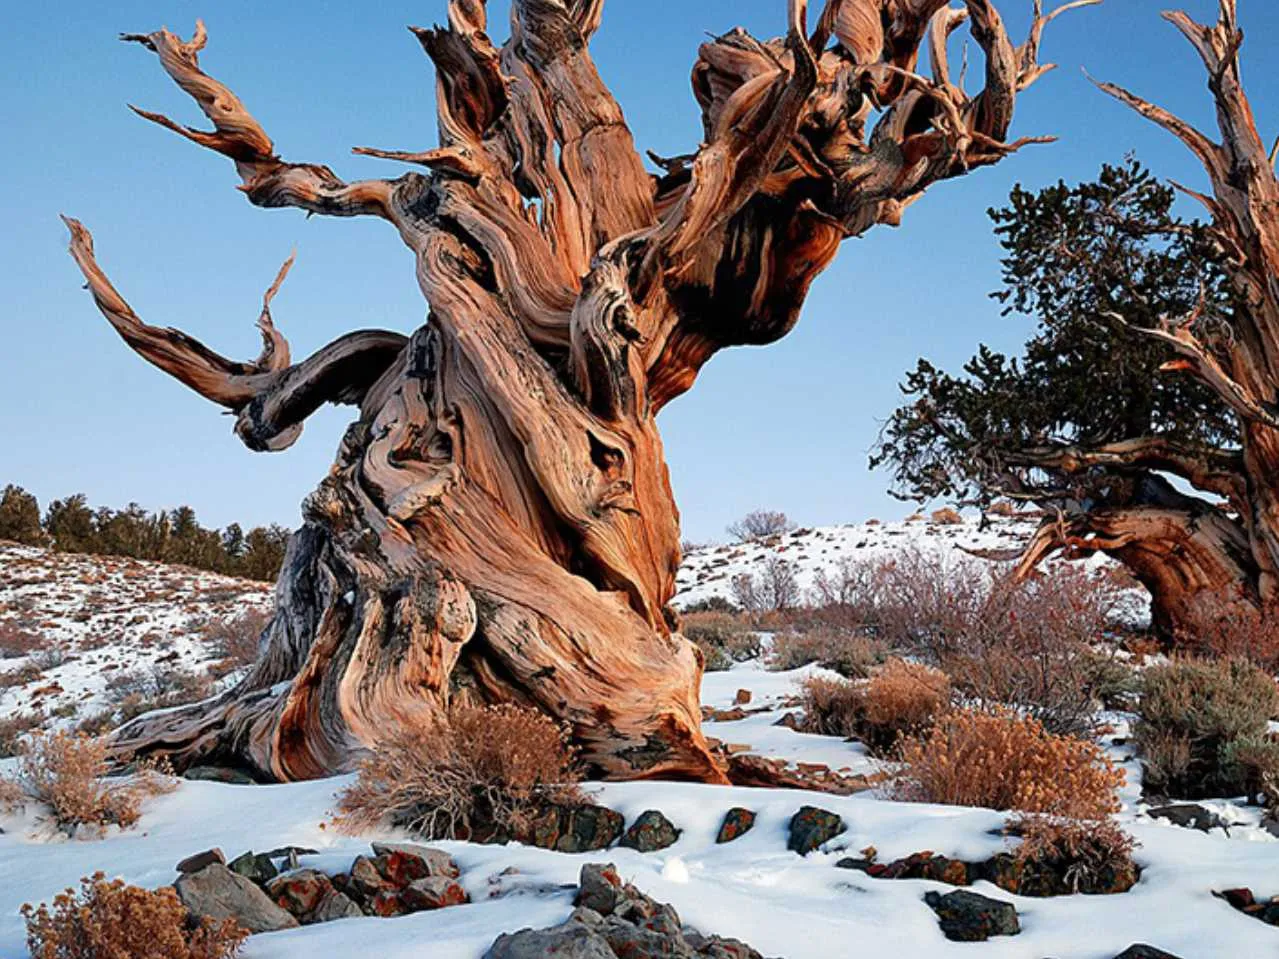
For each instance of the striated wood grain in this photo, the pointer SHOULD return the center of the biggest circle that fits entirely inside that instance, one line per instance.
(499, 524)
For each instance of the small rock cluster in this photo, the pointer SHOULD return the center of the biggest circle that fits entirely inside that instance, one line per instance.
(1267, 910)
(1024, 878)
(399, 878)
(614, 920)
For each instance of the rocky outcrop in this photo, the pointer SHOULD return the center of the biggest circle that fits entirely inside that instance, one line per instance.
(1008, 872)
(215, 891)
(614, 920)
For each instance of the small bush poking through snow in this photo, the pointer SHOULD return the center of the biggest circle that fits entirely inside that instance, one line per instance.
(13, 728)
(1194, 715)
(111, 920)
(899, 699)
(722, 637)
(485, 769)
(1088, 856)
(1000, 760)
(841, 650)
(17, 640)
(67, 772)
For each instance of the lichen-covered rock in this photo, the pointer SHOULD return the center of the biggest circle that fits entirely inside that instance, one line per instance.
(575, 829)
(432, 892)
(434, 862)
(967, 916)
(1188, 815)
(737, 820)
(810, 827)
(599, 888)
(217, 892)
(301, 892)
(650, 831)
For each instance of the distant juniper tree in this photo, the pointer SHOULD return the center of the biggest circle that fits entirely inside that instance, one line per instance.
(20, 517)
(1092, 420)
(71, 525)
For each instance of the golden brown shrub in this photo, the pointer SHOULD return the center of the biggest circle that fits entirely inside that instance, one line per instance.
(946, 516)
(67, 772)
(486, 767)
(844, 651)
(1087, 855)
(112, 920)
(13, 728)
(1000, 760)
(899, 698)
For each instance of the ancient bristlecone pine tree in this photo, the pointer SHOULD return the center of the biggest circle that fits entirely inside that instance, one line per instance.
(1194, 551)
(499, 524)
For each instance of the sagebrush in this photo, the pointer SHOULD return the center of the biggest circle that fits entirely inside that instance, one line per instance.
(1001, 760)
(482, 769)
(108, 919)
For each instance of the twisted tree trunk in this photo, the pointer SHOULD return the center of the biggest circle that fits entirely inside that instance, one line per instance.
(499, 523)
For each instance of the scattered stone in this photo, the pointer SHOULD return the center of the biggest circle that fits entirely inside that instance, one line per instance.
(219, 774)
(650, 832)
(1241, 898)
(433, 892)
(810, 827)
(200, 860)
(742, 698)
(790, 720)
(1244, 900)
(257, 867)
(1142, 951)
(969, 917)
(335, 905)
(1190, 815)
(737, 820)
(300, 892)
(615, 919)
(573, 829)
(728, 715)
(1003, 870)
(436, 861)
(753, 770)
(217, 892)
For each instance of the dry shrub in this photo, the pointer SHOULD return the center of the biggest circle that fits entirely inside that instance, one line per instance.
(847, 653)
(1030, 645)
(1193, 713)
(946, 516)
(17, 640)
(775, 587)
(1000, 760)
(1002, 508)
(1223, 627)
(832, 707)
(234, 639)
(112, 920)
(928, 600)
(900, 698)
(67, 772)
(13, 728)
(487, 769)
(1087, 856)
(722, 637)
(24, 674)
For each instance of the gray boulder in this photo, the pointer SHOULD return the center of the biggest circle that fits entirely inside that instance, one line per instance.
(570, 941)
(217, 892)
(650, 831)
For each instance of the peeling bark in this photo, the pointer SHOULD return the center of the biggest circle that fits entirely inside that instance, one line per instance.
(499, 524)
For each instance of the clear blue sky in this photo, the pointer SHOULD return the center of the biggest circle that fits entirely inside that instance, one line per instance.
(787, 426)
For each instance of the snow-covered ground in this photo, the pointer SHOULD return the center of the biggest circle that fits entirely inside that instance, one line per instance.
(752, 888)
(104, 615)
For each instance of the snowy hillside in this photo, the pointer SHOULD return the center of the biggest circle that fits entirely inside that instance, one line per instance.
(708, 571)
(93, 619)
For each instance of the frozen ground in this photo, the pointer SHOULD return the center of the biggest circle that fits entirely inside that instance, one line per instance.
(752, 888)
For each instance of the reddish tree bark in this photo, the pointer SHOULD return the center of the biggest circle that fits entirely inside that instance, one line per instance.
(499, 524)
